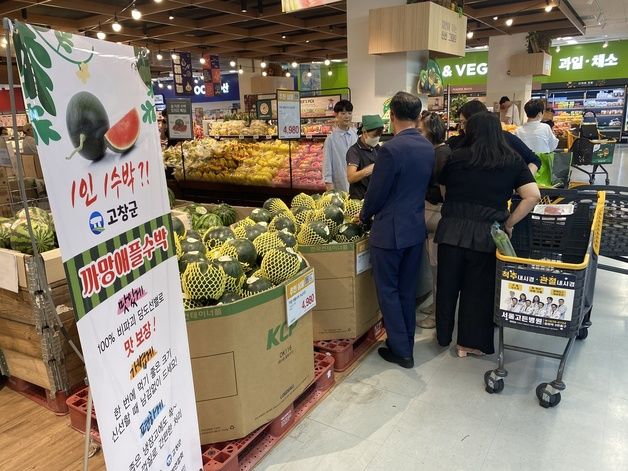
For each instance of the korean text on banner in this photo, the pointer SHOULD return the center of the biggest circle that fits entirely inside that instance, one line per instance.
(91, 105)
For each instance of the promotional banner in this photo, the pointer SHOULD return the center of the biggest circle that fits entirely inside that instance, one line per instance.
(319, 106)
(183, 73)
(91, 106)
(179, 111)
(211, 75)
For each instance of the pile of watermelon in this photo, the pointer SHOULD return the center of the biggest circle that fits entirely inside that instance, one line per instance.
(222, 261)
(14, 233)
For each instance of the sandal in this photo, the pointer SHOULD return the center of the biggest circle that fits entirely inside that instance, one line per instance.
(464, 351)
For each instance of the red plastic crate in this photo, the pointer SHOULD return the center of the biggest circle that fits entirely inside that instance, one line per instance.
(77, 405)
(54, 402)
(244, 454)
(347, 351)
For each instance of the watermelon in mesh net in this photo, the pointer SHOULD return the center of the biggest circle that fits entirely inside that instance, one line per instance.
(349, 232)
(303, 215)
(246, 251)
(331, 199)
(229, 298)
(331, 215)
(267, 242)
(280, 264)
(303, 201)
(253, 232)
(314, 233)
(204, 280)
(234, 273)
(275, 205)
(281, 222)
(288, 238)
(255, 285)
(216, 236)
(353, 208)
(191, 257)
(261, 215)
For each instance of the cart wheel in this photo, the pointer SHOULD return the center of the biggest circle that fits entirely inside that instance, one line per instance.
(608, 182)
(493, 386)
(544, 401)
(583, 333)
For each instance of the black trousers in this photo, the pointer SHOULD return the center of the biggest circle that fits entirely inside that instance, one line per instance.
(470, 275)
(396, 273)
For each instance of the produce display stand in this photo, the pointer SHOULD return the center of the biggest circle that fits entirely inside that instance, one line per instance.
(557, 258)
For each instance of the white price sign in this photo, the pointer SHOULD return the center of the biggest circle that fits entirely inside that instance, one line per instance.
(288, 114)
(363, 257)
(300, 296)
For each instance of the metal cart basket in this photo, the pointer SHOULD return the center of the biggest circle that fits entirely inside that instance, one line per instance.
(548, 288)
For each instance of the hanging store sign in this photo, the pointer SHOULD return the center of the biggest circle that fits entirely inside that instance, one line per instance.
(319, 106)
(211, 76)
(183, 73)
(96, 131)
(288, 6)
(179, 111)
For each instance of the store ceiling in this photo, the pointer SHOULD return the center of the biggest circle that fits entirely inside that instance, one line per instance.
(488, 18)
(216, 26)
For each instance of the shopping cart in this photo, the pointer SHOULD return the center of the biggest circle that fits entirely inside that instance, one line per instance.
(548, 287)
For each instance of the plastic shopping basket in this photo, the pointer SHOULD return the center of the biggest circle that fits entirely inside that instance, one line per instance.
(553, 276)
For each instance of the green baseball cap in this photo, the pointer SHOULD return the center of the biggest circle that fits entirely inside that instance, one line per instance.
(372, 121)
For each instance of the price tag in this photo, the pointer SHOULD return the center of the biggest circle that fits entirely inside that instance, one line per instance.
(309, 136)
(255, 136)
(288, 114)
(269, 137)
(363, 257)
(300, 296)
(240, 137)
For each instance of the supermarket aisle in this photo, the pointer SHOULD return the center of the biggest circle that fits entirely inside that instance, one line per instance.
(438, 416)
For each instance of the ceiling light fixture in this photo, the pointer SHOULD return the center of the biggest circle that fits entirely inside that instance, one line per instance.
(240, 71)
(232, 63)
(283, 36)
(330, 73)
(174, 56)
(3, 43)
(158, 1)
(549, 8)
(309, 73)
(171, 17)
(470, 35)
(605, 45)
(294, 64)
(160, 85)
(243, 6)
(196, 81)
(117, 27)
(557, 48)
(202, 60)
(263, 64)
(288, 75)
(264, 74)
(571, 42)
(159, 56)
(495, 18)
(327, 61)
(100, 34)
(509, 22)
(136, 14)
(307, 41)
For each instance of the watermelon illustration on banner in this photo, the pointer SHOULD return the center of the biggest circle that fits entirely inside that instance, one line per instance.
(92, 109)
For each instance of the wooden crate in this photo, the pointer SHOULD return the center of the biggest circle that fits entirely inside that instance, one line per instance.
(33, 346)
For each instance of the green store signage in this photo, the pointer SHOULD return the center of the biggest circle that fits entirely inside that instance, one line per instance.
(572, 63)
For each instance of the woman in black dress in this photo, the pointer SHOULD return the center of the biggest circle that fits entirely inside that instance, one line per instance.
(477, 182)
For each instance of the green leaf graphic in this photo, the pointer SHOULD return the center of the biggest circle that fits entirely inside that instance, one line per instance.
(44, 131)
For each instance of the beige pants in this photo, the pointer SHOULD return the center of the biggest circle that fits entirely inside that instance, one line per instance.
(432, 217)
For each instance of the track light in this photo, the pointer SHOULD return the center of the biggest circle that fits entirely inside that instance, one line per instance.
(509, 22)
(117, 27)
(136, 14)
(232, 63)
(470, 35)
(159, 56)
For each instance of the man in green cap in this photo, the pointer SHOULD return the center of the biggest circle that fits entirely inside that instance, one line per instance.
(362, 155)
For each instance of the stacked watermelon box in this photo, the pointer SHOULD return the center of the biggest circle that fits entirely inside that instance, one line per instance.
(38, 358)
(248, 364)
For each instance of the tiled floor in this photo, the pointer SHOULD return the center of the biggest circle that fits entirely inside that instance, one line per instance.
(438, 416)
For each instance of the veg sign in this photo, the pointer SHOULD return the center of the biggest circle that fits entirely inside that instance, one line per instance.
(91, 105)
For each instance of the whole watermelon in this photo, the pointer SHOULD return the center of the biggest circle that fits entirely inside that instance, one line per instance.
(191, 257)
(216, 236)
(275, 205)
(287, 238)
(206, 221)
(281, 222)
(35, 213)
(349, 232)
(178, 227)
(171, 198)
(226, 213)
(229, 297)
(255, 285)
(261, 215)
(191, 244)
(234, 272)
(247, 254)
(314, 233)
(5, 235)
(280, 264)
(253, 232)
(43, 234)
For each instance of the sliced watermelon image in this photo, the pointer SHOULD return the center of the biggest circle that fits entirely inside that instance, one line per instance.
(124, 134)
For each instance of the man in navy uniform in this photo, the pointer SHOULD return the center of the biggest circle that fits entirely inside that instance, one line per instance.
(395, 202)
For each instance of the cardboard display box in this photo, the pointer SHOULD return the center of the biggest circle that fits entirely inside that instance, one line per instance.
(248, 364)
(346, 298)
